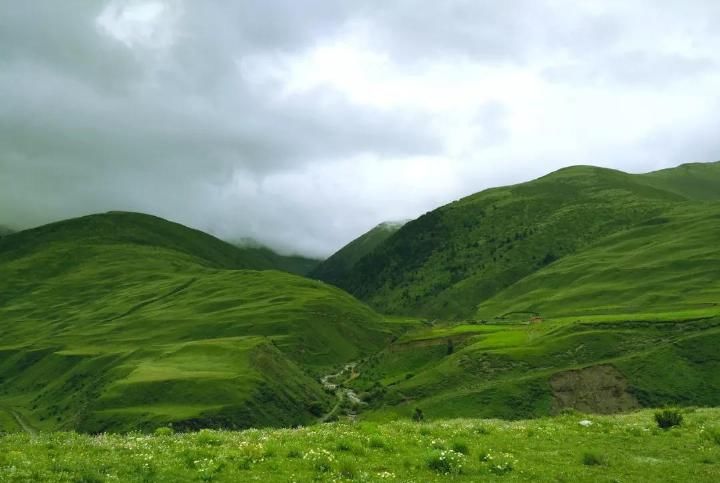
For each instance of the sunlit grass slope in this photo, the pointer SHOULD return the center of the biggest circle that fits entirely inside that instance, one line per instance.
(521, 370)
(122, 321)
(449, 261)
(570, 448)
(668, 264)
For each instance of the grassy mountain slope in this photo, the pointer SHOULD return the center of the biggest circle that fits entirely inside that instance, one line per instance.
(695, 181)
(627, 317)
(296, 264)
(450, 260)
(667, 264)
(520, 370)
(4, 231)
(339, 265)
(122, 321)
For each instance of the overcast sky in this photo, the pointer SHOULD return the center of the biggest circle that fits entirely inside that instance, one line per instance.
(303, 123)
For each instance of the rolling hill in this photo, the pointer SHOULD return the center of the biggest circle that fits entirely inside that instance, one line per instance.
(623, 312)
(296, 264)
(4, 231)
(453, 259)
(588, 288)
(341, 264)
(126, 321)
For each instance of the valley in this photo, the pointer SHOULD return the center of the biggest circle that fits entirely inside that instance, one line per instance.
(588, 291)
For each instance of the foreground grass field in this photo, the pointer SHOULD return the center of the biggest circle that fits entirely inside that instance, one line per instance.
(568, 448)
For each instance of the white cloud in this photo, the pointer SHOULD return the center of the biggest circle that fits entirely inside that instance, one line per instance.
(304, 124)
(141, 22)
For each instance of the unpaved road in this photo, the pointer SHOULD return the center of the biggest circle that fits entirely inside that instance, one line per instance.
(342, 394)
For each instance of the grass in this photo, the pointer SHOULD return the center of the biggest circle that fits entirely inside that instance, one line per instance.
(653, 269)
(530, 370)
(627, 448)
(495, 246)
(125, 321)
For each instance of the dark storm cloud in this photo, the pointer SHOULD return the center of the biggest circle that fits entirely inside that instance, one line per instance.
(304, 123)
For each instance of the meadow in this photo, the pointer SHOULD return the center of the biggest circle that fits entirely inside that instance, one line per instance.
(567, 448)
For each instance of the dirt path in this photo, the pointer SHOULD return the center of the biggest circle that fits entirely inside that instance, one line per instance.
(342, 394)
(21, 421)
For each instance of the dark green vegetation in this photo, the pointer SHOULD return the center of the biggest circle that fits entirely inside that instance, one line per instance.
(458, 258)
(341, 264)
(296, 264)
(123, 321)
(4, 231)
(628, 448)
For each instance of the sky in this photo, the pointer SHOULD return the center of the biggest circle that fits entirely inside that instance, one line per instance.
(303, 124)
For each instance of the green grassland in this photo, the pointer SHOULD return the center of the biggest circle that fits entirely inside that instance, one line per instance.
(449, 261)
(627, 448)
(525, 370)
(588, 289)
(665, 265)
(125, 321)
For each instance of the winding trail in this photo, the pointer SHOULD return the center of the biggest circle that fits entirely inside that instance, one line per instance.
(342, 394)
(21, 421)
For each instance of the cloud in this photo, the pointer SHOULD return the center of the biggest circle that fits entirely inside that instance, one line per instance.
(303, 124)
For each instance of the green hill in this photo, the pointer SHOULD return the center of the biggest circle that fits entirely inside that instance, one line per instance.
(296, 264)
(588, 288)
(341, 264)
(4, 231)
(123, 321)
(667, 264)
(449, 261)
(695, 181)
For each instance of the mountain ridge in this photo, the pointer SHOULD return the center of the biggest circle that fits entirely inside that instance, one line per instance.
(452, 258)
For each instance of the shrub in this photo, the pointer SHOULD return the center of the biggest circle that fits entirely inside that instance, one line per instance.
(593, 459)
(418, 416)
(668, 418)
(347, 470)
(377, 443)
(343, 446)
(294, 454)
(498, 464)
(713, 434)
(208, 437)
(447, 462)
(164, 431)
(461, 447)
(321, 460)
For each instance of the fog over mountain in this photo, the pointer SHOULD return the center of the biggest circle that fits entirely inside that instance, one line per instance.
(304, 124)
